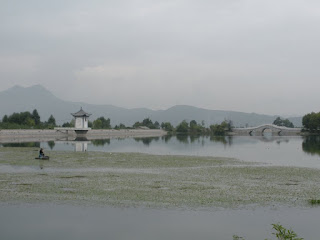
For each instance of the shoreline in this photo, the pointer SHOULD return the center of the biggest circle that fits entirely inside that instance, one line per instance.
(27, 135)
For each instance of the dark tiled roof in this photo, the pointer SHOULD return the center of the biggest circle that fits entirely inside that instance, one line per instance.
(81, 113)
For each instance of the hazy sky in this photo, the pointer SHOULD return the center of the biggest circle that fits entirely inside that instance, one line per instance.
(242, 55)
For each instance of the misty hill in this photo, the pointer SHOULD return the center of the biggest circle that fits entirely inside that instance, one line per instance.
(20, 99)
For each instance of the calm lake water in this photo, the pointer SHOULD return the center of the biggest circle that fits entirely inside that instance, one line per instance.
(30, 222)
(285, 151)
(45, 221)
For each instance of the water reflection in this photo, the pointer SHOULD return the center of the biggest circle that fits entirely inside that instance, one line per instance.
(311, 145)
(23, 144)
(278, 150)
(222, 139)
(166, 138)
(202, 139)
(147, 141)
(100, 142)
(41, 164)
(183, 138)
(51, 144)
(81, 144)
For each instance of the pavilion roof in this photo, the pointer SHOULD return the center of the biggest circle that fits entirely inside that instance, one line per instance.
(81, 113)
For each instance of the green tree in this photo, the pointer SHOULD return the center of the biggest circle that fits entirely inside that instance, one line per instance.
(97, 124)
(136, 125)
(194, 127)
(183, 127)
(30, 122)
(221, 129)
(36, 117)
(101, 123)
(5, 119)
(22, 118)
(156, 125)
(167, 127)
(15, 118)
(121, 126)
(147, 122)
(67, 124)
(51, 122)
(217, 129)
(283, 122)
(311, 122)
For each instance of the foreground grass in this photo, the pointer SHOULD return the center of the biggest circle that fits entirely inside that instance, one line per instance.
(132, 179)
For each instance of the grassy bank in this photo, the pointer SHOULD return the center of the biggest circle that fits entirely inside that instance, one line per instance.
(132, 179)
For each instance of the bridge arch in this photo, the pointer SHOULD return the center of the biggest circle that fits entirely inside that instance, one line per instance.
(261, 129)
(272, 129)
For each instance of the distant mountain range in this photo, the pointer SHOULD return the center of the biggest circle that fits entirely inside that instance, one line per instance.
(20, 99)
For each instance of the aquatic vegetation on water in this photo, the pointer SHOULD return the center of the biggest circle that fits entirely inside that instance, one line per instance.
(131, 179)
(314, 201)
(284, 234)
(281, 233)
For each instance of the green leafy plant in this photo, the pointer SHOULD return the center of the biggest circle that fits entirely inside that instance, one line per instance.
(281, 233)
(284, 234)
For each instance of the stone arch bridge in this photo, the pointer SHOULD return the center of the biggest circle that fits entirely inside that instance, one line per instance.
(259, 130)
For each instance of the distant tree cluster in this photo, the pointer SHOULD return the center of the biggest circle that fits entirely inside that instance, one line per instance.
(196, 128)
(283, 122)
(311, 122)
(193, 127)
(147, 122)
(222, 128)
(69, 124)
(101, 123)
(167, 126)
(26, 120)
(120, 126)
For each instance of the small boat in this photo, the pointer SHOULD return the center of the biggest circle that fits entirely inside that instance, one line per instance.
(42, 158)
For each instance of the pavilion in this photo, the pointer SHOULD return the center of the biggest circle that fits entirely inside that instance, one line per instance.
(81, 124)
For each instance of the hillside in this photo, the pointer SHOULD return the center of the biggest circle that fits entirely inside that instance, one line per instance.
(19, 99)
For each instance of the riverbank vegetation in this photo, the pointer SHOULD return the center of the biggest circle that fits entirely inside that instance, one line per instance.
(27, 120)
(311, 122)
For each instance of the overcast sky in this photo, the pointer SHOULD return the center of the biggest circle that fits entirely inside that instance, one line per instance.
(242, 55)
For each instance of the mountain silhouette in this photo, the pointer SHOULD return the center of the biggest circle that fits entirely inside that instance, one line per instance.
(20, 99)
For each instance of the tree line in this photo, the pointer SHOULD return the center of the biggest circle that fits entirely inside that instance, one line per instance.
(184, 127)
(31, 120)
(26, 120)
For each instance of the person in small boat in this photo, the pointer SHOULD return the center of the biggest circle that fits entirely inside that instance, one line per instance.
(41, 153)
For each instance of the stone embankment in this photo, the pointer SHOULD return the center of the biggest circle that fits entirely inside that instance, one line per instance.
(25, 135)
